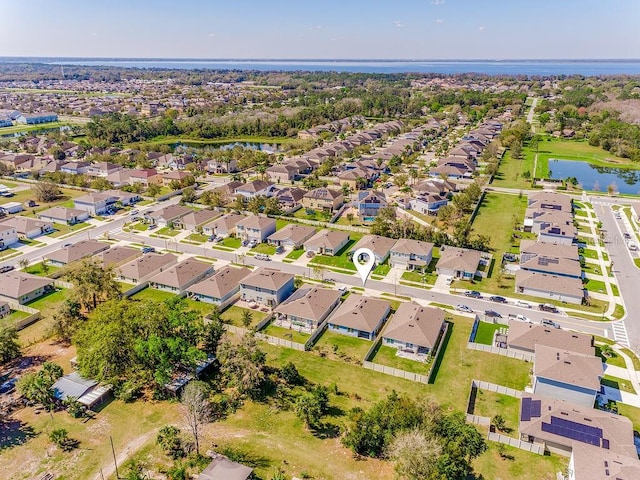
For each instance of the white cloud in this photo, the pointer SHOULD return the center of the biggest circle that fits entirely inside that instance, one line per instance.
(318, 27)
(481, 28)
(437, 2)
(439, 20)
(398, 24)
(211, 34)
(94, 34)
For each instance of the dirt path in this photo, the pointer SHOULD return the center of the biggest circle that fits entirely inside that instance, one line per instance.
(124, 453)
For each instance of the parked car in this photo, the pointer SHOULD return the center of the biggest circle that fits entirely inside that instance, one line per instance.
(492, 314)
(211, 238)
(549, 323)
(627, 235)
(148, 249)
(262, 256)
(279, 249)
(152, 226)
(520, 303)
(473, 294)
(519, 317)
(547, 307)
(310, 254)
(134, 212)
(509, 257)
(6, 268)
(342, 288)
(252, 243)
(498, 299)
(464, 308)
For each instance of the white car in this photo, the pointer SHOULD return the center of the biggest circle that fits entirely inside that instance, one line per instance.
(522, 318)
(520, 303)
(464, 308)
(342, 288)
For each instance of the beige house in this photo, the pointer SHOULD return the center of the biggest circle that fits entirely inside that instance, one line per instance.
(327, 242)
(118, 255)
(524, 337)
(307, 308)
(458, 262)
(23, 287)
(360, 316)
(223, 226)
(549, 286)
(292, 235)
(323, 199)
(178, 278)
(222, 288)
(414, 328)
(267, 286)
(143, 268)
(255, 228)
(75, 252)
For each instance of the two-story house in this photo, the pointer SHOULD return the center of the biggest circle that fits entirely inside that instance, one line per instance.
(267, 286)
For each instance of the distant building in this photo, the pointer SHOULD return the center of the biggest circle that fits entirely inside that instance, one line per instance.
(36, 118)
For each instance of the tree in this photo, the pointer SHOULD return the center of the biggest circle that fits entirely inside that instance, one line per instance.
(36, 387)
(92, 284)
(350, 217)
(67, 320)
(23, 263)
(499, 423)
(154, 190)
(415, 454)
(516, 149)
(46, 191)
(9, 347)
(60, 437)
(195, 409)
(213, 332)
(243, 364)
(169, 440)
(308, 409)
(188, 195)
(400, 180)
(247, 317)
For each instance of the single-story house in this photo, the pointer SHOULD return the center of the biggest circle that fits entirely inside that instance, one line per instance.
(11, 207)
(524, 337)
(142, 268)
(178, 278)
(124, 198)
(8, 236)
(194, 220)
(75, 168)
(411, 254)
(75, 252)
(292, 235)
(167, 215)
(563, 267)
(360, 316)
(223, 226)
(221, 468)
(380, 246)
(64, 215)
(86, 392)
(327, 242)
(414, 328)
(267, 286)
(118, 255)
(21, 287)
(255, 228)
(36, 118)
(596, 463)
(532, 248)
(255, 188)
(308, 307)
(458, 262)
(569, 376)
(222, 288)
(545, 285)
(27, 227)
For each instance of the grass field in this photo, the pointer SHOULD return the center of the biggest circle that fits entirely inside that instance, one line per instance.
(510, 173)
(30, 128)
(336, 345)
(618, 383)
(497, 216)
(486, 332)
(387, 356)
(47, 305)
(285, 333)
(490, 404)
(167, 232)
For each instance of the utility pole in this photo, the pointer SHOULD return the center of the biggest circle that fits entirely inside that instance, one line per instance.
(115, 462)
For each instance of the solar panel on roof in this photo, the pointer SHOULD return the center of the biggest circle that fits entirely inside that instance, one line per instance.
(571, 434)
(578, 427)
(525, 414)
(605, 443)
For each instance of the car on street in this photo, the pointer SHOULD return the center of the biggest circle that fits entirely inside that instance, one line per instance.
(464, 308)
(520, 303)
(627, 235)
(547, 307)
(473, 294)
(134, 212)
(498, 299)
(8, 386)
(6, 268)
(492, 314)
(342, 288)
(549, 323)
(148, 249)
(262, 256)
(520, 318)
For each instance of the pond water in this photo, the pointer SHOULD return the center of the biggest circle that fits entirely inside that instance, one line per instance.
(593, 177)
(41, 131)
(262, 147)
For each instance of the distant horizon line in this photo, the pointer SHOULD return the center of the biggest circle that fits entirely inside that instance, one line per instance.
(310, 60)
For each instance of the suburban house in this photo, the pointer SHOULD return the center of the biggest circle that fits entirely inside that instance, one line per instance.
(428, 203)
(290, 197)
(120, 178)
(266, 286)
(94, 203)
(195, 219)
(8, 235)
(36, 118)
(255, 228)
(86, 392)
(595, 463)
(21, 287)
(223, 226)
(323, 199)
(255, 188)
(308, 307)
(221, 165)
(167, 216)
(562, 267)
(360, 316)
(531, 248)
(380, 246)
(291, 235)
(411, 254)
(75, 168)
(145, 177)
(458, 262)
(548, 200)
(222, 288)
(176, 175)
(562, 427)
(124, 198)
(369, 204)
(357, 178)
(546, 285)
(282, 173)
(221, 468)
(27, 227)
(64, 215)
(563, 234)
(565, 375)
(11, 207)
(524, 337)
(178, 278)
(102, 169)
(327, 242)
(75, 252)
(142, 268)
(117, 255)
(414, 329)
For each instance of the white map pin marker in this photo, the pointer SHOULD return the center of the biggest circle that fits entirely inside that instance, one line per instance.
(364, 269)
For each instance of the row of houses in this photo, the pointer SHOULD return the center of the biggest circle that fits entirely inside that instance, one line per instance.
(8, 117)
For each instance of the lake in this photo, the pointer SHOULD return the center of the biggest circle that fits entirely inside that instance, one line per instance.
(593, 177)
(261, 147)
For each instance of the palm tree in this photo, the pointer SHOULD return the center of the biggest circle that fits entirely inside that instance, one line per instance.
(23, 263)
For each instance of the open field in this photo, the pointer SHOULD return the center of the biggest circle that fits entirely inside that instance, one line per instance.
(497, 216)
(31, 128)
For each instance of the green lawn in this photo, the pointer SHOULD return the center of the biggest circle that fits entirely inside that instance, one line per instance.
(295, 254)
(48, 305)
(231, 242)
(486, 332)
(341, 260)
(167, 232)
(387, 356)
(490, 404)
(11, 319)
(345, 347)
(497, 216)
(595, 286)
(140, 226)
(153, 294)
(233, 316)
(619, 383)
(62, 229)
(285, 333)
(264, 248)
(37, 269)
(197, 237)
(381, 270)
(510, 173)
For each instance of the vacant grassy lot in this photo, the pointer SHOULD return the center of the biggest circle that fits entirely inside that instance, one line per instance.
(510, 173)
(499, 213)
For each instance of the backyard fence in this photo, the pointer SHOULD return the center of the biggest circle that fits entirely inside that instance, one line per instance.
(135, 289)
(514, 442)
(316, 335)
(281, 342)
(25, 322)
(62, 284)
(478, 420)
(506, 352)
(492, 387)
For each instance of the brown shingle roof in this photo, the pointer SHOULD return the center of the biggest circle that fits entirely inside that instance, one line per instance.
(77, 251)
(545, 282)
(327, 239)
(568, 367)
(293, 232)
(145, 265)
(413, 323)
(221, 283)
(16, 284)
(181, 274)
(361, 313)
(309, 303)
(117, 255)
(526, 336)
(267, 278)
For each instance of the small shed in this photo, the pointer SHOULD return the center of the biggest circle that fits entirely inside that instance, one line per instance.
(87, 392)
(221, 468)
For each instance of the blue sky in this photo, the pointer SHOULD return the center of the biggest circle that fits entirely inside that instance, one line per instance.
(393, 29)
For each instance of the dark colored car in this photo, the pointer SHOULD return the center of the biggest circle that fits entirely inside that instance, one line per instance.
(549, 323)
(546, 307)
(509, 257)
(148, 249)
(492, 314)
(472, 294)
(498, 299)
